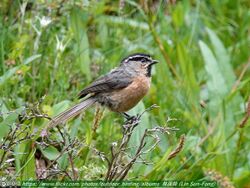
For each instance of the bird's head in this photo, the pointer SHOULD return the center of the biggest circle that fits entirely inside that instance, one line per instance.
(140, 63)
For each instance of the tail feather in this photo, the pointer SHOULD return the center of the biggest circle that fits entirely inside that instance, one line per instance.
(72, 112)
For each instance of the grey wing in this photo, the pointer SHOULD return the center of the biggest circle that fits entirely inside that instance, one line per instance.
(116, 79)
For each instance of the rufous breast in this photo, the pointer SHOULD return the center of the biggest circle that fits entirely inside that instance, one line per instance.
(128, 97)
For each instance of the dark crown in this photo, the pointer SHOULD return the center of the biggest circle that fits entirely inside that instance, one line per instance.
(137, 57)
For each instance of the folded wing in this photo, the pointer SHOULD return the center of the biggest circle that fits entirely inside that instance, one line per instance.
(116, 79)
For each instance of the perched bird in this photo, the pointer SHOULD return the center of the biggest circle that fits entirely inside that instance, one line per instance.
(119, 90)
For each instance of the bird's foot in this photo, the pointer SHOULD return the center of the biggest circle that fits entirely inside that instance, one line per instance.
(130, 123)
(131, 119)
(128, 117)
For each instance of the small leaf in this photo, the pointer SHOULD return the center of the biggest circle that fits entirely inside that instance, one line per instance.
(60, 107)
(8, 122)
(63, 161)
(30, 59)
(50, 152)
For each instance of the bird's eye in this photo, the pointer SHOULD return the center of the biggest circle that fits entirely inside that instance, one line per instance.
(143, 60)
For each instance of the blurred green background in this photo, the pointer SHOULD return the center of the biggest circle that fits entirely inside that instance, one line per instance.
(52, 49)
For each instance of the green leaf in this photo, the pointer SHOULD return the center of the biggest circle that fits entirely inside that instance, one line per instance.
(8, 122)
(21, 153)
(63, 161)
(178, 15)
(138, 133)
(60, 107)
(5, 125)
(118, 21)
(7, 75)
(30, 59)
(223, 58)
(50, 152)
(190, 86)
(78, 25)
(216, 83)
(159, 166)
(29, 168)
(75, 127)
(144, 124)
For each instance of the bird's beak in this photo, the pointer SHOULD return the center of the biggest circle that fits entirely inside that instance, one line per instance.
(154, 62)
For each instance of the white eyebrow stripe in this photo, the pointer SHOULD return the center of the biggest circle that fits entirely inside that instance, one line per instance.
(135, 56)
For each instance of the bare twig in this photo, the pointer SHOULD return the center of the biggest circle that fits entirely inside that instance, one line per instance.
(65, 150)
(13, 138)
(67, 140)
(72, 165)
(117, 170)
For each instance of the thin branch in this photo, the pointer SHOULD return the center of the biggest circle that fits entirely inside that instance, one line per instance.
(117, 170)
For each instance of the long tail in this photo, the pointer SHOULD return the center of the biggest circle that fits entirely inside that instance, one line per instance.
(72, 112)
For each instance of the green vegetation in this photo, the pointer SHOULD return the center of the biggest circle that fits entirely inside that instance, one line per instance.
(50, 50)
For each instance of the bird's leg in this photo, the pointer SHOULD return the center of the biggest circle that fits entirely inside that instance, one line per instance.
(126, 116)
(131, 122)
(129, 119)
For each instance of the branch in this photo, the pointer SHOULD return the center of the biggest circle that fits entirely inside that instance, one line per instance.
(117, 170)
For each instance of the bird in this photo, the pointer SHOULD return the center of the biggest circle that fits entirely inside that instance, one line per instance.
(119, 90)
